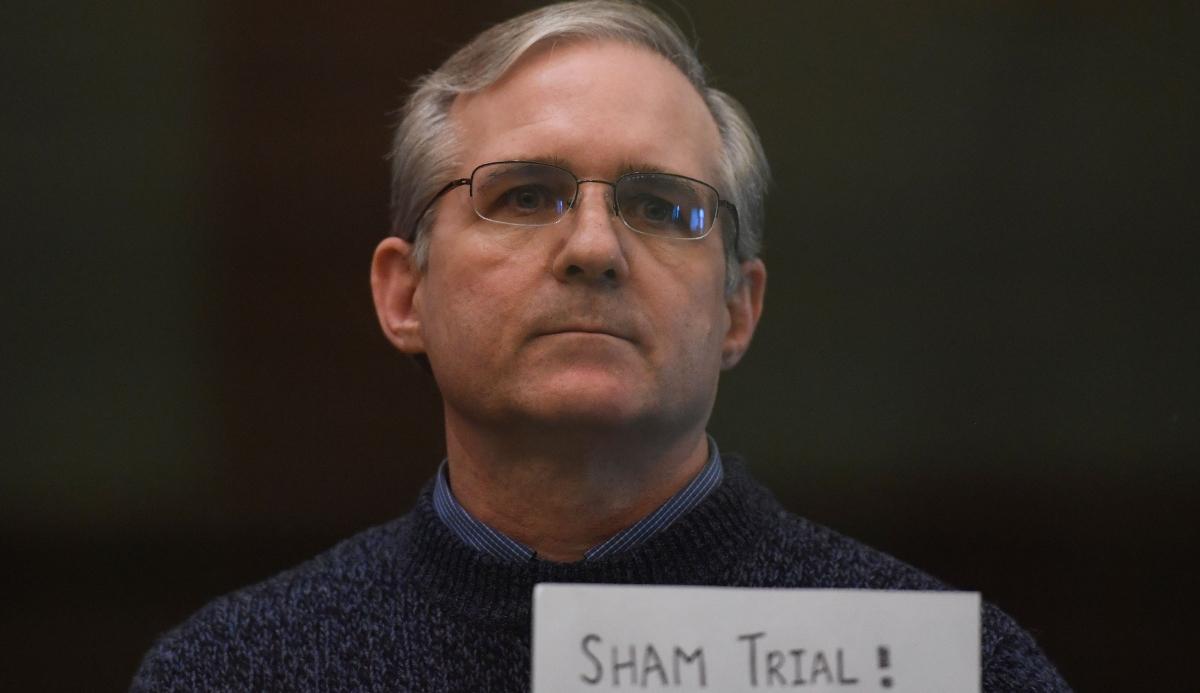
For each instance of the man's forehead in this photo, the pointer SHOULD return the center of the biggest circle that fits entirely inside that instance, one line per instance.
(598, 108)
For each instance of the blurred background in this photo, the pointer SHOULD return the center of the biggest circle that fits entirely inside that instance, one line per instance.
(980, 352)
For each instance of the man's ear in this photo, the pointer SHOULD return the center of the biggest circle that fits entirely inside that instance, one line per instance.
(745, 306)
(394, 281)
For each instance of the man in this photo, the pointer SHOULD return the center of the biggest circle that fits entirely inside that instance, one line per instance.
(577, 223)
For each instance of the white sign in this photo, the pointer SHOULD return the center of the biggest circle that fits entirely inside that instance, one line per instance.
(727, 639)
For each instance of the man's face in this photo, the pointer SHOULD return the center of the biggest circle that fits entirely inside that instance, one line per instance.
(584, 323)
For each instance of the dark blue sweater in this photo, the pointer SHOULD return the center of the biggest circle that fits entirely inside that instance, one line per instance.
(406, 606)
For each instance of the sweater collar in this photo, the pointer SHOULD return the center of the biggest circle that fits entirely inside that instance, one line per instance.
(703, 547)
(483, 537)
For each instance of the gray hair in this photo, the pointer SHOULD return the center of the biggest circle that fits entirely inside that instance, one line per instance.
(424, 153)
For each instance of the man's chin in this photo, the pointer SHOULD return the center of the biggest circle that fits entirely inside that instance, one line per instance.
(586, 397)
(599, 406)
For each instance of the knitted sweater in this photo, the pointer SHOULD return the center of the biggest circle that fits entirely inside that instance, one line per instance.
(406, 606)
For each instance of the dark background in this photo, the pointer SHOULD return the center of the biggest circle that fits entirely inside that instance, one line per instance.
(980, 349)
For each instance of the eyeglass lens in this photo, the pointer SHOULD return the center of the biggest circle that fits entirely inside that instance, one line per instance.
(533, 194)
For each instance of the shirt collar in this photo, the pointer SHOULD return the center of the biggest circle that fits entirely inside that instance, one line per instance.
(482, 537)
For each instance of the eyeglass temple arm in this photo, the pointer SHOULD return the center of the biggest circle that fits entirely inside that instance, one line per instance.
(424, 210)
(737, 226)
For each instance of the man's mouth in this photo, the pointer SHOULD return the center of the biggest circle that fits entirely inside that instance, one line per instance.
(585, 328)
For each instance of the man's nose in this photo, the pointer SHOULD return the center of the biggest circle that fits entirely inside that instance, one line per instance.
(593, 243)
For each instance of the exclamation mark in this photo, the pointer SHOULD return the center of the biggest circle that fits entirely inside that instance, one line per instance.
(884, 663)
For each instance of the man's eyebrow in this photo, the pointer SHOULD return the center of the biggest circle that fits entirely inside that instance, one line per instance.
(552, 159)
(629, 166)
(640, 167)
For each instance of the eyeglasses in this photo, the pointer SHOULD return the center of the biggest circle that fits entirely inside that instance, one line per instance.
(530, 193)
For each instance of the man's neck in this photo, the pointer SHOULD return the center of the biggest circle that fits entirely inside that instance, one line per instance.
(561, 496)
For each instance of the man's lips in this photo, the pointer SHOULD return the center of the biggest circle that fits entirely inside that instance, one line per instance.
(601, 330)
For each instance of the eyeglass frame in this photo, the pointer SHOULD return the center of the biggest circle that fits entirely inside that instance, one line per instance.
(469, 181)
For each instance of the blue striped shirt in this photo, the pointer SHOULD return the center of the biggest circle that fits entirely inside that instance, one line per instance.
(480, 536)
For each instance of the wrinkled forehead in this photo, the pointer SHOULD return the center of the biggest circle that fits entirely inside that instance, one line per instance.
(593, 105)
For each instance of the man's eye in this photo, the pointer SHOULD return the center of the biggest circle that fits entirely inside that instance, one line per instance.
(525, 199)
(658, 210)
(524, 202)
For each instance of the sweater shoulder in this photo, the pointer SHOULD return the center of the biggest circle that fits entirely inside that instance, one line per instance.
(1012, 659)
(793, 551)
(243, 638)
(797, 552)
